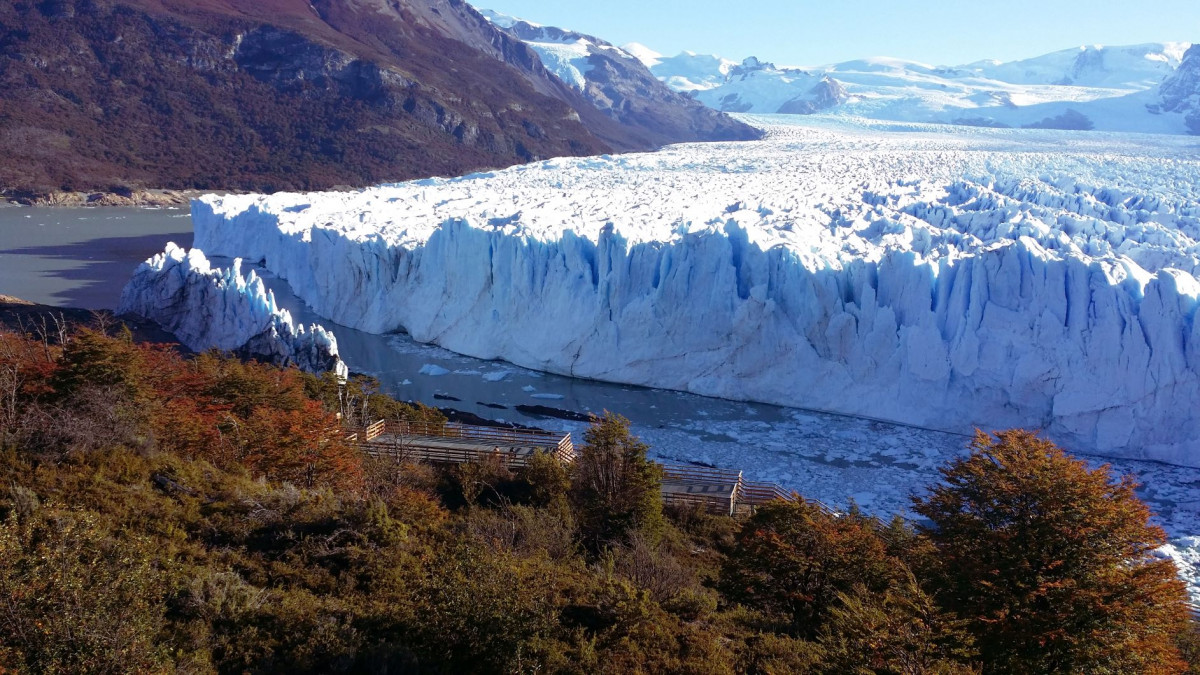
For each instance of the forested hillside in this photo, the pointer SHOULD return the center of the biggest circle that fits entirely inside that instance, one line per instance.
(161, 512)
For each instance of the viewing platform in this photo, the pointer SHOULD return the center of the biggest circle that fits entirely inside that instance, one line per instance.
(720, 491)
(452, 443)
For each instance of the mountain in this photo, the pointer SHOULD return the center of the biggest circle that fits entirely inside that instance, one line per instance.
(619, 84)
(1180, 93)
(1134, 67)
(1089, 87)
(282, 94)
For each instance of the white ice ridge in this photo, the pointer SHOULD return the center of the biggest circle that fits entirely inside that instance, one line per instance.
(207, 307)
(939, 276)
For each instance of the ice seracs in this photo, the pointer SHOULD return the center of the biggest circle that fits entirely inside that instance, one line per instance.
(938, 276)
(207, 307)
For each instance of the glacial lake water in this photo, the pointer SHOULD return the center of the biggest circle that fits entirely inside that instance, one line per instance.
(82, 257)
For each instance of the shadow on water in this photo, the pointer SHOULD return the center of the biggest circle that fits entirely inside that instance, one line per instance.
(98, 269)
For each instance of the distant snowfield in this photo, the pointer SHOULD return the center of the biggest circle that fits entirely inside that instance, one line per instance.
(1106, 88)
(946, 277)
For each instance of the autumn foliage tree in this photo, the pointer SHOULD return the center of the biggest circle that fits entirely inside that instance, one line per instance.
(163, 513)
(1051, 563)
(792, 559)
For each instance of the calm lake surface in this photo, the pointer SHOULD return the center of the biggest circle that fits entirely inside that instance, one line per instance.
(75, 257)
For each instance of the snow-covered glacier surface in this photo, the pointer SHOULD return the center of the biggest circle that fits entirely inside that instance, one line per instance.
(208, 307)
(945, 277)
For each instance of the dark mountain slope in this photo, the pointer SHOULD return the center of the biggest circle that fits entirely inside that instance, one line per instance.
(274, 94)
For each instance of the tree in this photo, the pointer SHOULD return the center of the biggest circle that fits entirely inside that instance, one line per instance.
(92, 359)
(546, 482)
(615, 490)
(792, 559)
(1051, 563)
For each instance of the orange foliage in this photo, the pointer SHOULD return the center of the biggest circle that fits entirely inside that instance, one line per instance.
(1052, 563)
(211, 408)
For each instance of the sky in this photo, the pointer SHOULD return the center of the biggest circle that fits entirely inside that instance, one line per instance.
(817, 32)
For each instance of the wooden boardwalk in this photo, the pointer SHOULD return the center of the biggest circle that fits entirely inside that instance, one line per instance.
(716, 490)
(460, 443)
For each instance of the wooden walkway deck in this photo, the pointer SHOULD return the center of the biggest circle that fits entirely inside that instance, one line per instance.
(460, 443)
(716, 490)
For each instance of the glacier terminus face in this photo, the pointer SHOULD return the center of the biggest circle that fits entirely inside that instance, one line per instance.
(945, 277)
(208, 307)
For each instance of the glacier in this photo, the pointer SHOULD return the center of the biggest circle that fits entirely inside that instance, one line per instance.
(937, 276)
(206, 307)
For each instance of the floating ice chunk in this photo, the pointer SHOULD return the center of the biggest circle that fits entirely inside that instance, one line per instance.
(433, 370)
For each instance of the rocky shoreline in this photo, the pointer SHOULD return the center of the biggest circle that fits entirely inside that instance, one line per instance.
(134, 198)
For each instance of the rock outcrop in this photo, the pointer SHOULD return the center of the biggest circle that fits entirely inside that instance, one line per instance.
(1181, 92)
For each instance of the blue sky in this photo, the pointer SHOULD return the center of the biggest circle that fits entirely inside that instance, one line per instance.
(808, 32)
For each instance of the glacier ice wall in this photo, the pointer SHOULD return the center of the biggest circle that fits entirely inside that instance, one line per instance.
(207, 307)
(947, 280)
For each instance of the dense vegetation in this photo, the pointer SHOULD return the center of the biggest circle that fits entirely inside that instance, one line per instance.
(162, 513)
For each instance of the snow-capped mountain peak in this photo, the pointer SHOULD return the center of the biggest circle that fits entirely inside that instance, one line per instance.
(641, 52)
(1180, 93)
(1118, 67)
(504, 20)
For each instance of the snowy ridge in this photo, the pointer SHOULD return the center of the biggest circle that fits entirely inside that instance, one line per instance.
(936, 276)
(1106, 88)
(207, 307)
(565, 53)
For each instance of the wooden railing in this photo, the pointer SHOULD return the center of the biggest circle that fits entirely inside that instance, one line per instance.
(725, 507)
(693, 473)
(756, 494)
(374, 431)
(559, 445)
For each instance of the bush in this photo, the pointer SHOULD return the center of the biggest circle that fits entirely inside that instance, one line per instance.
(898, 631)
(77, 599)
